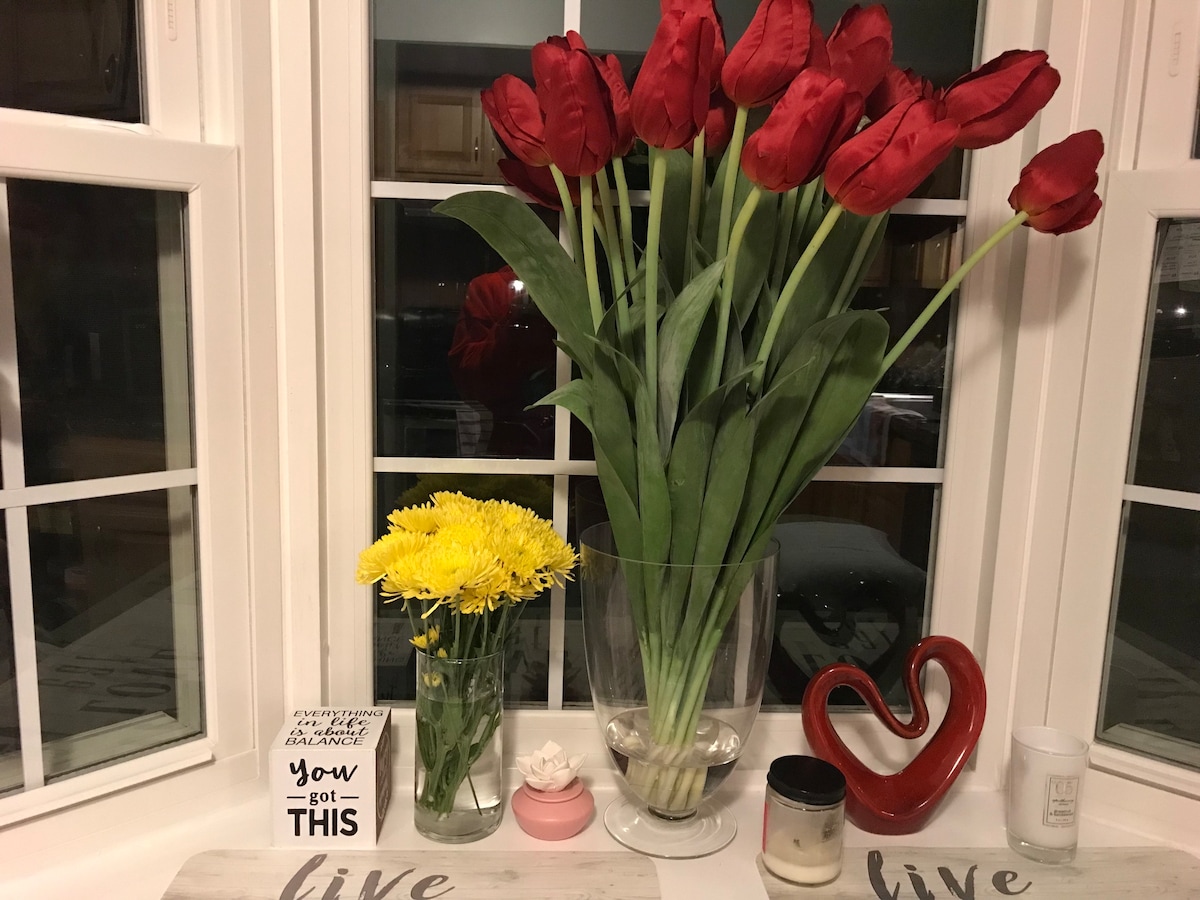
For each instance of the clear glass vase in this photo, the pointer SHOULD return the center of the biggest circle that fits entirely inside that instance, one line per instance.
(677, 657)
(459, 710)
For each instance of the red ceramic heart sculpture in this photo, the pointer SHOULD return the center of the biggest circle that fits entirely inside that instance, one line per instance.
(901, 803)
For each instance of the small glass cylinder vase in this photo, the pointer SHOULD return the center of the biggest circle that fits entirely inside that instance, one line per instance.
(677, 658)
(459, 711)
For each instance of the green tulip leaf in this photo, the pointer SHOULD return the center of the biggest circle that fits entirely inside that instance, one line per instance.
(576, 397)
(673, 240)
(678, 332)
(818, 288)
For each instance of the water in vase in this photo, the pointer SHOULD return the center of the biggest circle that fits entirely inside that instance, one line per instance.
(672, 780)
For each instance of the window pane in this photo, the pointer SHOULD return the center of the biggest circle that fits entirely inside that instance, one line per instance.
(526, 664)
(1150, 701)
(1166, 451)
(461, 350)
(99, 286)
(902, 422)
(853, 567)
(10, 733)
(430, 62)
(72, 57)
(117, 623)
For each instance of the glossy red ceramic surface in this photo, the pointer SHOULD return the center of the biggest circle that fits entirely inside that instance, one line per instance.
(903, 802)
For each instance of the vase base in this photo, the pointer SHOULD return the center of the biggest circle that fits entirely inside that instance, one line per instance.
(459, 827)
(710, 829)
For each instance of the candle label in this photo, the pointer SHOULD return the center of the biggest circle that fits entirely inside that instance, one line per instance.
(1062, 792)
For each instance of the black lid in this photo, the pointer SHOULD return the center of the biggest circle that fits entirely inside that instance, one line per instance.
(806, 779)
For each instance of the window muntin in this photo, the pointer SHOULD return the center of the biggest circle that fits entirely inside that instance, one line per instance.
(909, 411)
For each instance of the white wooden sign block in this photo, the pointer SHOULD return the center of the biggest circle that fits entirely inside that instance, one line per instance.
(331, 777)
(415, 874)
(919, 873)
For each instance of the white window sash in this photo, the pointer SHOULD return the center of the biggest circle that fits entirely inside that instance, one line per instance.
(41, 146)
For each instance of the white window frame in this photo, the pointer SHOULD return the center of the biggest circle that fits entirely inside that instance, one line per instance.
(235, 380)
(1068, 439)
(974, 440)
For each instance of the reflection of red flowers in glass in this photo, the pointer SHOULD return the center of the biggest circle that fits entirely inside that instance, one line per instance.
(499, 341)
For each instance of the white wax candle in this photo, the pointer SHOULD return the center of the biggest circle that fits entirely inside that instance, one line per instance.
(1045, 778)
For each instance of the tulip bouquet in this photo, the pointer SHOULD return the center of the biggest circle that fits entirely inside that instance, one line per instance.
(720, 362)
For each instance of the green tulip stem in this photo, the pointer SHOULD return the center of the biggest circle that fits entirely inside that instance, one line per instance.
(658, 182)
(843, 297)
(723, 311)
(587, 214)
(787, 217)
(789, 291)
(564, 194)
(612, 251)
(618, 165)
(949, 287)
(696, 200)
(733, 160)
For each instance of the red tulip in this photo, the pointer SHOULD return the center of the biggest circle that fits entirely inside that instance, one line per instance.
(618, 91)
(669, 102)
(808, 123)
(898, 85)
(1057, 188)
(704, 9)
(999, 98)
(777, 44)
(860, 48)
(537, 183)
(718, 127)
(580, 123)
(885, 161)
(512, 108)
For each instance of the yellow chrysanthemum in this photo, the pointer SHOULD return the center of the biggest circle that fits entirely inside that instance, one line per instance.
(387, 554)
(471, 556)
(424, 519)
(442, 653)
(426, 640)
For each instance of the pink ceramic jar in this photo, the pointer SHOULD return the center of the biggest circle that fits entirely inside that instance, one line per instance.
(553, 815)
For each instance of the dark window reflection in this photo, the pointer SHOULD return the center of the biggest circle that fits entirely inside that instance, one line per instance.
(1151, 693)
(461, 349)
(75, 57)
(526, 665)
(111, 576)
(90, 312)
(902, 422)
(1166, 451)
(852, 586)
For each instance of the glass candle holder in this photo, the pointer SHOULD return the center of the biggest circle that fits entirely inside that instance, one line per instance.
(803, 819)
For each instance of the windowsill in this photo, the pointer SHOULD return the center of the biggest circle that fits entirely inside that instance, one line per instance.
(142, 869)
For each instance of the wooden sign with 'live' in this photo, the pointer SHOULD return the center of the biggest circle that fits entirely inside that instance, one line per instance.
(925, 873)
(413, 875)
